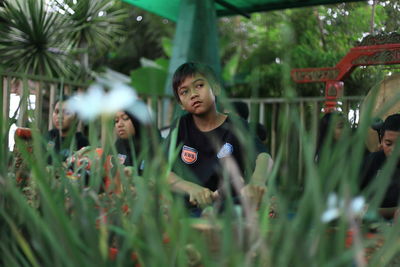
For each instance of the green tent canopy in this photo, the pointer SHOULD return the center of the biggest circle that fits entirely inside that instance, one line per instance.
(170, 8)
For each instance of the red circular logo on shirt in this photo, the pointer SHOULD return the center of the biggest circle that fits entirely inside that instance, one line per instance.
(189, 155)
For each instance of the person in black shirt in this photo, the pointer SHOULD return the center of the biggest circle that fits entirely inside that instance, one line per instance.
(210, 147)
(375, 161)
(63, 138)
(130, 144)
(333, 121)
(128, 132)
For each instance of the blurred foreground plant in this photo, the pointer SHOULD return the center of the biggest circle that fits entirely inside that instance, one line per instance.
(74, 223)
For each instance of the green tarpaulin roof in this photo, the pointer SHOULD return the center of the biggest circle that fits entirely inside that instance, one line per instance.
(170, 8)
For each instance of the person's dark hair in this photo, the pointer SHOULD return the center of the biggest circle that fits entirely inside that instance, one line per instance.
(136, 124)
(392, 123)
(61, 99)
(323, 128)
(241, 108)
(138, 140)
(190, 69)
(124, 145)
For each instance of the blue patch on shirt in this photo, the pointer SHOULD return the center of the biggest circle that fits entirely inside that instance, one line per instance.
(226, 150)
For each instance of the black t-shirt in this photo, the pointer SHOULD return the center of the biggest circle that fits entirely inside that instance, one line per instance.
(201, 153)
(372, 166)
(62, 145)
(143, 148)
(124, 151)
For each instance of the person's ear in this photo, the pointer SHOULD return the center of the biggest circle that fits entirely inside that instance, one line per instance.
(216, 89)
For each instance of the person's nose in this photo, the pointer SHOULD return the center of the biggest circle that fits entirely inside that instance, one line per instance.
(193, 93)
(120, 124)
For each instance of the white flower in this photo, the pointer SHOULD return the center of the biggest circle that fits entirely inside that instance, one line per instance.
(96, 101)
(335, 208)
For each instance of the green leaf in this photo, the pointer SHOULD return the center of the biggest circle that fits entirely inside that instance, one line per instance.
(167, 46)
(149, 80)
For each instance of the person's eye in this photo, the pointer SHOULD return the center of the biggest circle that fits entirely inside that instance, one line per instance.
(183, 92)
(199, 85)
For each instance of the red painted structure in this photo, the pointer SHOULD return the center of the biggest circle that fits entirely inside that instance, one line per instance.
(373, 50)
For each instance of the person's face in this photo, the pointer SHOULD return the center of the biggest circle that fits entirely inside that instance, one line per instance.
(338, 130)
(123, 125)
(196, 95)
(388, 141)
(62, 118)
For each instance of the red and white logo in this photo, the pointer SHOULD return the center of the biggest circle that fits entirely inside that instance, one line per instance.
(189, 155)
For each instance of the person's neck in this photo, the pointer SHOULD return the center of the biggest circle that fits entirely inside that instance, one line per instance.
(63, 133)
(209, 121)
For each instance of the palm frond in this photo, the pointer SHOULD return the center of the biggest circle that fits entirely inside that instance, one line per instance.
(93, 22)
(34, 40)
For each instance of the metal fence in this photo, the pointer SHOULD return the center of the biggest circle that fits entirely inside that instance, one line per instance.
(266, 111)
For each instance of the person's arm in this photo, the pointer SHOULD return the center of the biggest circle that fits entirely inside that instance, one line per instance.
(256, 187)
(262, 169)
(198, 195)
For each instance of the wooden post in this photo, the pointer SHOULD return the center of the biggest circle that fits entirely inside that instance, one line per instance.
(302, 128)
(273, 130)
(51, 105)
(38, 105)
(23, 114)
(5, 117)
(261, 117)
(6, 97)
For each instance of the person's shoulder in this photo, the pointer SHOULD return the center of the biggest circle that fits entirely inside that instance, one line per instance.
(186, 117)
(374, 160)
(82, 139)
(376, 156)
(52, 133)
(80, 135)
(233, 119)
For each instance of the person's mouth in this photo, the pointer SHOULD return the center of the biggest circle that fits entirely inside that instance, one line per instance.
(196, 104)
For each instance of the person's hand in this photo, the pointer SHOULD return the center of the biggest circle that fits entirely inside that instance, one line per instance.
(253, 193)
(199, 195)
(128, 171)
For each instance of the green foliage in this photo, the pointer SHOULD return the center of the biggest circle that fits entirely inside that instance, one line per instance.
(33, 40)
(56, 38)
(92, 23)
(60, 221)
(320, 37)
(147, 36)
(151, 77)
(167, 46)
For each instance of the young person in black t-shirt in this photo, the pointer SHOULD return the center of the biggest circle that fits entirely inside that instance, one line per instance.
(128, 131)
(326, 125)
(375, 161)
(63, 138)
(210, 148)
(129, 141)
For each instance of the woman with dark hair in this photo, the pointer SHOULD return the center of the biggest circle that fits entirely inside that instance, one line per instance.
(325, 125)
(63, 138)
(128, 130)
(130, 145)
